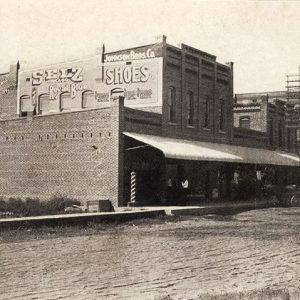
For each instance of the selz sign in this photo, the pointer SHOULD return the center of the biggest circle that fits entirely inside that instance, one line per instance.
(63, 80)
(57, 75)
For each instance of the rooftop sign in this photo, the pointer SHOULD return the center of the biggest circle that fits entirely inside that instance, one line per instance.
(146, 52)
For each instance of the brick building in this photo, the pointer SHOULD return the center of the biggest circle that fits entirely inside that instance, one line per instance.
(65, 129)
(8, 93)
(261, 118)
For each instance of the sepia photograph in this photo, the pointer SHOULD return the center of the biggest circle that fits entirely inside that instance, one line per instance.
(149, 150)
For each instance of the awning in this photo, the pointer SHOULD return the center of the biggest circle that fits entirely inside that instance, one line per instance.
(204, 151)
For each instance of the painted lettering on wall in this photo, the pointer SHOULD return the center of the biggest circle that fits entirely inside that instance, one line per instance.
(137, 94)
(72, 89)
(102, 97)
(132, 55)
(57, 75)
(126, 74)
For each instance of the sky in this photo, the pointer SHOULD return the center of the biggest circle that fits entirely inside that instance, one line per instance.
(262, 38)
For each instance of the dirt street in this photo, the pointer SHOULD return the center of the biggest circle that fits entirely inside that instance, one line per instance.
(158, 258)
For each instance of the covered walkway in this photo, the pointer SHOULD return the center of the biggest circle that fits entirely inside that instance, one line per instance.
(205, 151)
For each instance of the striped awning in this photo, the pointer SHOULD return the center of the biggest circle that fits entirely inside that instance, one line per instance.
(205, 151)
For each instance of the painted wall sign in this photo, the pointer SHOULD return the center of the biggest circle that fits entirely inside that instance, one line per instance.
(58, 87)
(126, 74)
(81, 84)
(58, 75)
(132, 55)
(141, 81)
(146, 52)
(71, 88)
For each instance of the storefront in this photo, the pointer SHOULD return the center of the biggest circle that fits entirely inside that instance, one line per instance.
(212, 171)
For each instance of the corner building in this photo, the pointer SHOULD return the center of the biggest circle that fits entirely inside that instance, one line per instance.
(81, 128)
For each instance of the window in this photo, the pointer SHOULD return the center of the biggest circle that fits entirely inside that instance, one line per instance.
(190, 108)
(271, 134)
(222, 115)
(87, 98)
(280, 133)
(244, 122)
(298, 135)
(64, 99)
(42, 103)
(289, 138)
(171, 104)
(25, 105)
(206, 111)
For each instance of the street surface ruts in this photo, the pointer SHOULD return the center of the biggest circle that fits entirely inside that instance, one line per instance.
(150, 260)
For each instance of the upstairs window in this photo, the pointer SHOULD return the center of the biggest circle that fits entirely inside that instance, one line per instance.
(271, 132)
(298, 135)
(190, 108)
(289, 138)
(171, 104)
(244, 122)
(222, 114)
(206, 103)
(280, 133)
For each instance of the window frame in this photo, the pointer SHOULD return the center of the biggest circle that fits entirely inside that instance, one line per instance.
(271, 132)
(190, 99)
(245, 118)
(61, 97)
(21, 112)
(83, 100)
(41, 103)
(171, 104)
(280, 133)
(206, 109)
(222, 118)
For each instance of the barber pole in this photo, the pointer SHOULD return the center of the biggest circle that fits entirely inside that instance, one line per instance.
(132, 186)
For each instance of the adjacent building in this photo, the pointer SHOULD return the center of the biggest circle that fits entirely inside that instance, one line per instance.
(263, 119)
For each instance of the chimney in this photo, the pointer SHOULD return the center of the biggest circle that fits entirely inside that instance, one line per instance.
(161, 39)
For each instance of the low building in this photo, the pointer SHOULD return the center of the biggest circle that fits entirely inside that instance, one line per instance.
(130, 125)
(264, 115)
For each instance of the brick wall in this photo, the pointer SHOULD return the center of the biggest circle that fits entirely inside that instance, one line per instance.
(265, 117)
(77, 154)
(256, 113)
(250, 138)
(190, 70)
(142, 121)
(8, 93)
